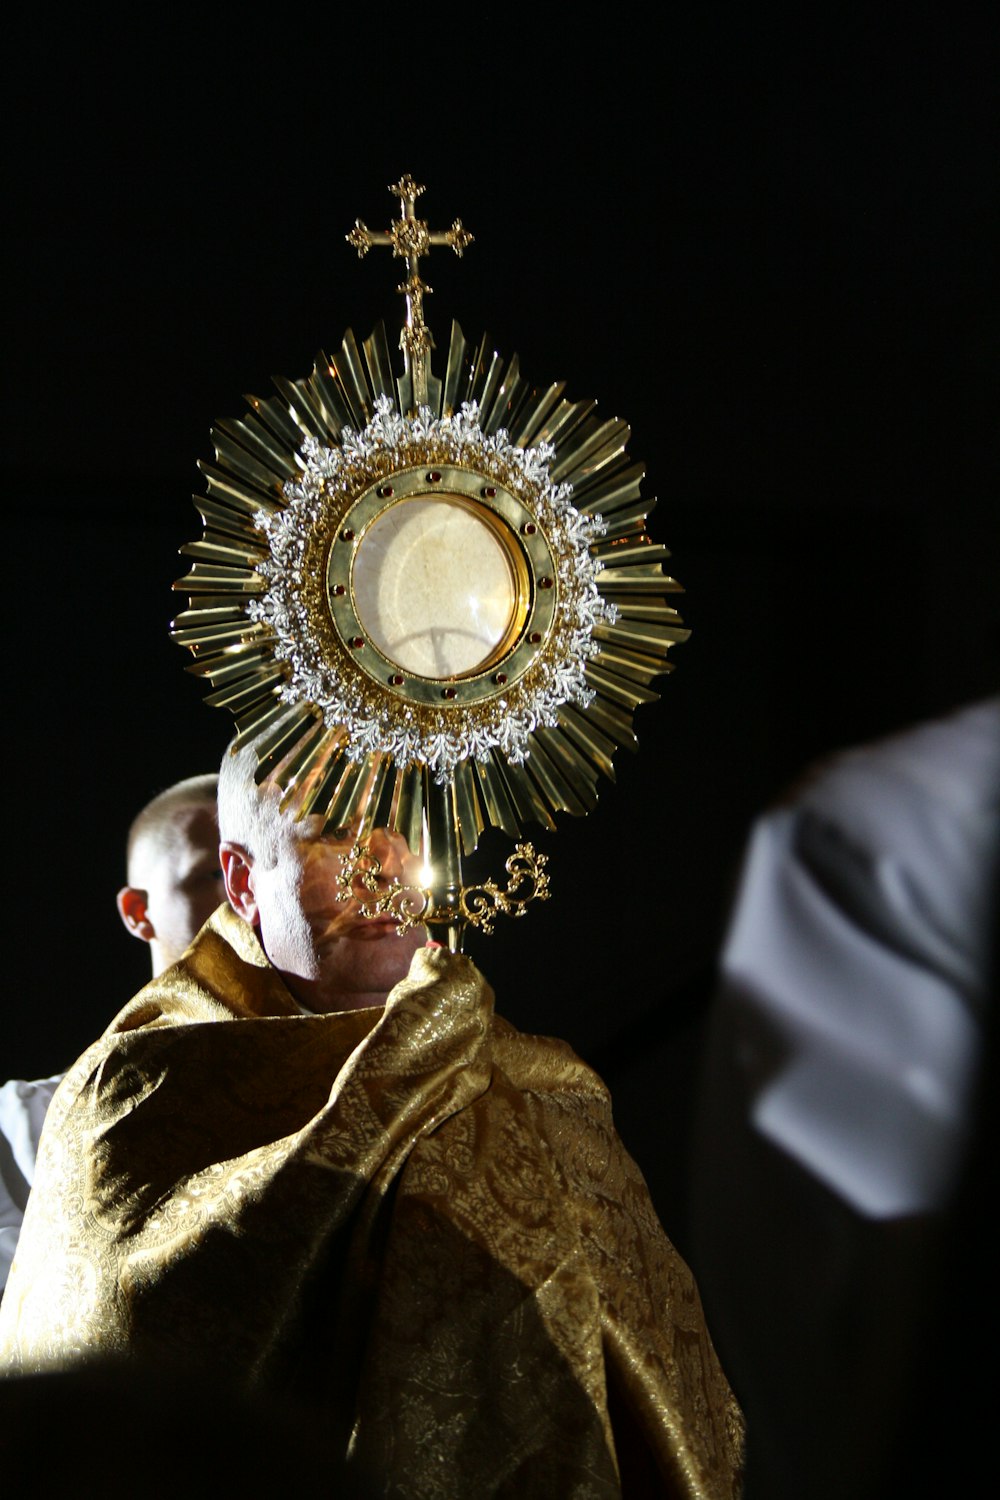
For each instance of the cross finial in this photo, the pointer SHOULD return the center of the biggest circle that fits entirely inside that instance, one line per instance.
(410, 240)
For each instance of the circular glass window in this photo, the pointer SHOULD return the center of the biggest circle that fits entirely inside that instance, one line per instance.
(435, 584)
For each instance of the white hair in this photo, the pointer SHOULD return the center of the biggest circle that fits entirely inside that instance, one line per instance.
(154, 827)
(248, 813)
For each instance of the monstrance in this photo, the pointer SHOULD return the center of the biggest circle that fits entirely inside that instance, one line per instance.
(430, 604)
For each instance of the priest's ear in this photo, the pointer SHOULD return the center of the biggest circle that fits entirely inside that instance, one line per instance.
(237, 865)
(132, 908)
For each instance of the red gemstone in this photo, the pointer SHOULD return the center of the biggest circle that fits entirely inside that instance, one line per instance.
(545, 583)
(357, 641)
(500, 677)
(347, 535)
(535, 637)
(384, 491)
(529, 528)
(448, 693)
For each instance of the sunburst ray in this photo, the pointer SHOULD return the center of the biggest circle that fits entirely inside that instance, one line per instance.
(497, 436)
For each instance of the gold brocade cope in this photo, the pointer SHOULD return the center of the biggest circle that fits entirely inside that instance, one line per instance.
(415, 1220)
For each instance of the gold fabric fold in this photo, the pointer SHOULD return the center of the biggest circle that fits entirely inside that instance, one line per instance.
(416, 1221)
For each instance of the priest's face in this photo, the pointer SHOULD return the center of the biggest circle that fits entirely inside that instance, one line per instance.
(330, 956)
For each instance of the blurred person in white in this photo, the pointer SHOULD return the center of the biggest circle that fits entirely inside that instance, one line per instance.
(839, 1099)
(174, 883)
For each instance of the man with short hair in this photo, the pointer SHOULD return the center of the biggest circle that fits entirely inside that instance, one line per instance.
(309, 1158)
(174, 885)
(174, 877)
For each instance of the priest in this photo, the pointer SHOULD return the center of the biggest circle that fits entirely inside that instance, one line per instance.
(310, 1159)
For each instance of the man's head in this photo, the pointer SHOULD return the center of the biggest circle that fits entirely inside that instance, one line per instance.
(281, 876)
(174, 877)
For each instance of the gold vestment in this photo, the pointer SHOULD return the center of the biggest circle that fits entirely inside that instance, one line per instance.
(416, 1219)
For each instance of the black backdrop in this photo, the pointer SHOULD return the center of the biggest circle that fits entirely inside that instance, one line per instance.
(764, 238)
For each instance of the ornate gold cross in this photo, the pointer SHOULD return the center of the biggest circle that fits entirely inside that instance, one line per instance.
(410, 239)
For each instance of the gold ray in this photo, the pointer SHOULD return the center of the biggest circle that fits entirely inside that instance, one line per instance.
(244, 465)
(553, 785)
(453, 372)
(315, 798)
(226, 519)
(220, 615)
(351, 369)
(256, 720)
(558, 426)
(319, 395)
(205, 580)
(629, 551)
(507, 397)
(620, 690)
(300, 761)
(475, 370)
(301, 770)
(641, 607)
(210, 550)
(212, 602)
(408, 806)
(328, 430)
(533, 413)
(316, 782)
(531, 805)
(331, 394)
(241, 496)
(275, 416)
(635, 582)
(495, 797)
(465, 373)
(238, 698)
(613, 720)
(574, 766)
(252, 435)
(205, 637)
(642, 634)
(598, 445)
(378, 790)
(308, 412)
(381, 816)
(626, 518)
(599, 475)
(608, 492)
(379, 362)
(275, 745)
(629, 661)
(349, 795)
(232, 663)
(470, 814)
(335, 381)
(493, 376)
(246, 693)
(598, 747)
(249, 544)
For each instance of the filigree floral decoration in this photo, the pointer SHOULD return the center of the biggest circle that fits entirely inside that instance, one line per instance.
(345, 695)
(516, 742)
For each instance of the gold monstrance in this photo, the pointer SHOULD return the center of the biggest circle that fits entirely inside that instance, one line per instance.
(431, 605)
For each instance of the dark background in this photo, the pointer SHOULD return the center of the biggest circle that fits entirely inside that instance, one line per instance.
(766, 238)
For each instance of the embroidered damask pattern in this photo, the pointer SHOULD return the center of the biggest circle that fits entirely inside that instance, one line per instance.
(429, 1213)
